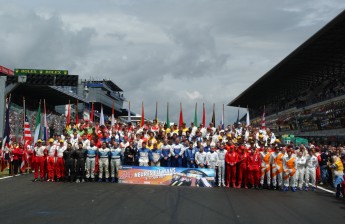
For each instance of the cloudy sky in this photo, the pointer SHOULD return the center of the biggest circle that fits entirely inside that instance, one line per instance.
(162, 50)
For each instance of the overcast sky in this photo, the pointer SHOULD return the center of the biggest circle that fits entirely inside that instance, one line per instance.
(162, 50)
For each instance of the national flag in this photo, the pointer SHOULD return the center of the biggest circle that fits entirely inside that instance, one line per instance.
(101, 118)
(213, 115)
(203, 115)
(24, 165)
(196, 115)
(92, 113)
(27, 131)
(263, 121)
(181, 117)
(68, 120)
(168, 121)
(113, 115)
(129, 112)
(76, 113)
(45, 127)
(142, 115)
(248, 119)
(38, 124)
(156, 115)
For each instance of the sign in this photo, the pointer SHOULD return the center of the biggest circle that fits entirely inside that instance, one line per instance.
(173, 176)
(20, 71)
(5, 71)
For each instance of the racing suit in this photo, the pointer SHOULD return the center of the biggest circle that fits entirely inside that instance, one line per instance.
(143, 156)
(254, 163)
(80, 155)
(39, 161)
(166, 153)
(115, 162)
(190, 156)
(103, 154)
(221, 166)
(265, 168)
(311, 165)
(91, 161)
(242, 172)
(200, 159)
(69, 156)
(289, 166)
(300, 172)
(277, 169)
(231, 159)
(155, 157)
(51, 161)
(177, 150)
(60, 171)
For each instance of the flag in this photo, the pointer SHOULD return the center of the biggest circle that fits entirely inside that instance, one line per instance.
(76, 114)
(248, 119)
(156, 115)
(68, 120)
(101, 118)
(45, 127)
(222, 121)
(238, 115)
(92, 113)
(142, 115)
(213, 116)
(203, 115)
(27, 131)
(112, 115)
(181, 117)
(129, 112)
(196, 115)
(38, 124)
(168, 121)
(263, 121)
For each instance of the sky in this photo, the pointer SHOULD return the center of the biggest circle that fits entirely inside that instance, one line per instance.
(176, 51)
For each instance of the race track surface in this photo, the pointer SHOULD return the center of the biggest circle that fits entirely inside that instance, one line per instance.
(23, 201)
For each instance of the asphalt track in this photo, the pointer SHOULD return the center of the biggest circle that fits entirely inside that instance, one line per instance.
(23, 201)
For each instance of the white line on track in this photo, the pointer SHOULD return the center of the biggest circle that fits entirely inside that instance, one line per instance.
(324, 189)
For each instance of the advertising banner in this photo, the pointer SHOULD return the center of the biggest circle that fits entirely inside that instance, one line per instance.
(5, 71)
(173, 176)
(25, 71)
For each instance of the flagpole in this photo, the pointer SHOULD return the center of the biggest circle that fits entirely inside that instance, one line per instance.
(24, 113)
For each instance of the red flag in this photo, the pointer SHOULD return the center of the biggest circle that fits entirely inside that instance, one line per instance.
(181, 117)
(203, 115)
(263, 120)
(68, 121)
(142, 115)
(92, 114)
(24, 164)
(213, 116)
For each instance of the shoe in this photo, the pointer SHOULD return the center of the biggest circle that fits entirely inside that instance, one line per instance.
(260, 187)
(306, 188)
(274, 188)
(113, 180)
(234, 186)
(77, 181)
(223, 185)
(100, 180)
(82, 180)
(320, 183)
(227, 186)
(57, 180)
(219, 185)
(35, 180)
(286, 189)
(106, 180)
(92, 180)
(245, 186)
(301, 189)
(293, 189)
(238, 186)
(313, 189)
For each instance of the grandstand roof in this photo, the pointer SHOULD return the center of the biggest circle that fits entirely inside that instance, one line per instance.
(321, 56)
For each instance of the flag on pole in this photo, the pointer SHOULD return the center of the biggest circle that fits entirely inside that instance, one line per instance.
(156, 115)
(203, 115)
(76, 113)
(92, 113)
(45, 127)
(168, 121)
(38, 124)
(101, 118)
(142, 115)
(222, 122)
(213, 115)
(129, 112)
(263, 121)
(181, 117)
(27, 131)
(248, 119)
(68, 119)
(196, 115)
(113, 115)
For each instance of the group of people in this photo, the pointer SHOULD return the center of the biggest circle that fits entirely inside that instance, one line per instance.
(242, 156)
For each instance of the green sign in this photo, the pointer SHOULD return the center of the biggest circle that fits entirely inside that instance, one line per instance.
(20, 71)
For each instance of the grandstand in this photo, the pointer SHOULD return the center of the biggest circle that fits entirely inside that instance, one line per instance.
(304, 94)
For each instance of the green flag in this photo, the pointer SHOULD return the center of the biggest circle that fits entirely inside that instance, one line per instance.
(196, 115)
(168, 121)
(38, 124)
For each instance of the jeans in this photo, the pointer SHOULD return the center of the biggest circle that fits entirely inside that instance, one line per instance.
(324, 174)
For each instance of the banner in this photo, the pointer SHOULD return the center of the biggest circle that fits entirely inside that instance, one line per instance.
(25, 71)
(173, 176)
